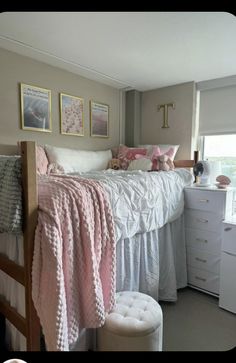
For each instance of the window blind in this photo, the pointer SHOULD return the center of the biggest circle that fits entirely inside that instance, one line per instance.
(217, 111)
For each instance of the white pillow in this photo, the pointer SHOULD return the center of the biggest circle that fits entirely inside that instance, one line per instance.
(140, 164)
(73, 160)
(163, 147)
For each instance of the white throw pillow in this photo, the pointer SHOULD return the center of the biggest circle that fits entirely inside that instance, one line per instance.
(73, 160)
(140, 164)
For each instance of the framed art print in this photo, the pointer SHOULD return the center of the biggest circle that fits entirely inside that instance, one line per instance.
(99, 119)
(72, 115)
(35, 108)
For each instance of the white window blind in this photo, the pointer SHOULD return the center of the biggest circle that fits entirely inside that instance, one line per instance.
(217, 111)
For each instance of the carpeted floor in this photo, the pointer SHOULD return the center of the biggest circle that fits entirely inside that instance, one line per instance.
(196, 323)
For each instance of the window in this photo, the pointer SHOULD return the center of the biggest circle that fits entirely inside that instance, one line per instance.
(222, 150)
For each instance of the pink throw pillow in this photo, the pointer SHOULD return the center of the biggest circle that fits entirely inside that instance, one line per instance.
(41, 160)
(127, 154)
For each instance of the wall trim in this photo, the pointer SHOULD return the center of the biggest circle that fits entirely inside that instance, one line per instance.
(27, 50)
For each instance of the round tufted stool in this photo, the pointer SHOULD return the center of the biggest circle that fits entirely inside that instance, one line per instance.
(134, 324)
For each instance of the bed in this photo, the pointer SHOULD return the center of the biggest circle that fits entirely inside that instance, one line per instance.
(151, 260)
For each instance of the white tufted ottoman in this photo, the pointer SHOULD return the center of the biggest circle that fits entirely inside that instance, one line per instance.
(134, 324)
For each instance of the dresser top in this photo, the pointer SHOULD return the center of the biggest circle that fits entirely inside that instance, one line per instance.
(231, 220)
(211, 188)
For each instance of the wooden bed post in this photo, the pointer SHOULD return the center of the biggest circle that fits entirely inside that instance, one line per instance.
(30, 204)
(196, 156)
(187, 163)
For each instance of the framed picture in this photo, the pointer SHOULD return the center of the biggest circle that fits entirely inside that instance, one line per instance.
(99, 119)
(35, 108)
(72, 115)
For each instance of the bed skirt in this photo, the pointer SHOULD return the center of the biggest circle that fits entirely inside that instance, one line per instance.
(153, 263)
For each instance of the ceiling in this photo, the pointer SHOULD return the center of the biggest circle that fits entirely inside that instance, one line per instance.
(127, 50)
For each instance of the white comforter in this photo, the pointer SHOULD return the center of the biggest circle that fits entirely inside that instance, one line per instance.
(142, 201)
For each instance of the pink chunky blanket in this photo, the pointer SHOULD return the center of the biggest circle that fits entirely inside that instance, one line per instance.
(73, 275)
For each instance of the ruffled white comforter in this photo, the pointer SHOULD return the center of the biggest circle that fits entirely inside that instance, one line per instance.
(143, 201)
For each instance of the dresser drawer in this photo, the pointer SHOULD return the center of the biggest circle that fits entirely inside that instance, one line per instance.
(229, 238)
(205, 200)
(203, 260)
(203, 279)
(228, 282)
(204, 240)
(202, 220)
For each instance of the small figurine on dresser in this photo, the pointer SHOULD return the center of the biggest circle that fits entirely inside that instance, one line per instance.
(223, 182)
(201, 172)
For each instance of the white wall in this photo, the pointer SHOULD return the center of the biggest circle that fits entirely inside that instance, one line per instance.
(16, 69)
(181, 120)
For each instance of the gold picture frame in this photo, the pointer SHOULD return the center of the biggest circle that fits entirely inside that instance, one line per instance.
(99, 119)
(71, 115)
(35, 108)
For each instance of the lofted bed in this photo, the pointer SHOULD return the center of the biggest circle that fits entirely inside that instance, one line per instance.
(127, 270)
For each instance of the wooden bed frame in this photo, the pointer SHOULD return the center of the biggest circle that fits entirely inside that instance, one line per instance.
(30, 325)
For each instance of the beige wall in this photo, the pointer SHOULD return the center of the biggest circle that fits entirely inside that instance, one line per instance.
(16, 69)
(181, 120)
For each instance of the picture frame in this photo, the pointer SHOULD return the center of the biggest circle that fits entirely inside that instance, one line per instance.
(99, 119)
(35, 108)
(72, 115)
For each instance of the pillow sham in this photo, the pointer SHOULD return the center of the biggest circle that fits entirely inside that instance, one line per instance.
(127, 154)
(74, 160)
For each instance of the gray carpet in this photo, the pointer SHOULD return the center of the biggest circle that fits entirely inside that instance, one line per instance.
(196, 323)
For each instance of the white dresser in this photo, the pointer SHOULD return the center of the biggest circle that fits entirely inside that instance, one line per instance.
(227, 298)
(205, 209)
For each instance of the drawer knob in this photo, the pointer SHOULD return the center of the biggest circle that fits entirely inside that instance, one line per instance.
(200, 278)
(200, 259)
(203, 200)
(202, 220)
(228, 229)
(202, 240)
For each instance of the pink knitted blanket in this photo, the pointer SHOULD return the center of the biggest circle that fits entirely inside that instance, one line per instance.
(73, 275)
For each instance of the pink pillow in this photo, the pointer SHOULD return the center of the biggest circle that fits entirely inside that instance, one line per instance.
(41, 160)
(127, 154)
